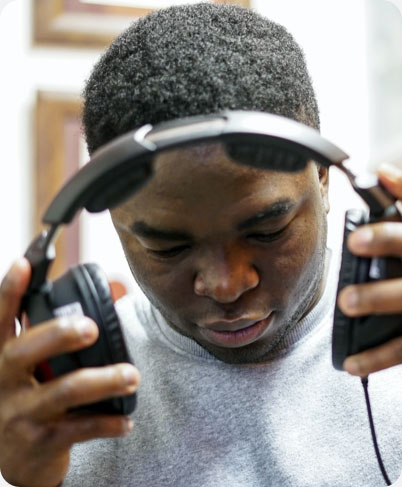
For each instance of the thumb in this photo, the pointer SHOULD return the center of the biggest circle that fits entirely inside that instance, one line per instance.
(12, 289)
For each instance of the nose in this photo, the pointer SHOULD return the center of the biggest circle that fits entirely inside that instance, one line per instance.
(225, 275)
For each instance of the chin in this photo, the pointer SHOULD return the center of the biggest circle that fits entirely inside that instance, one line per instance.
(248, 354)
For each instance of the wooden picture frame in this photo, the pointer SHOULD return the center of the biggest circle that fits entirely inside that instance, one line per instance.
(75, 23)
(57, 157)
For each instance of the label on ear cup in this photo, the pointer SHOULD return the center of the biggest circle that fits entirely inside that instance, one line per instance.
(69, 310)
(375, 269)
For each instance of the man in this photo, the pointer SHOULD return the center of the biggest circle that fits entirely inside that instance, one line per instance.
(232, 335)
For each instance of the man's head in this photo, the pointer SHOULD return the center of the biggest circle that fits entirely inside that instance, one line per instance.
(232, 256)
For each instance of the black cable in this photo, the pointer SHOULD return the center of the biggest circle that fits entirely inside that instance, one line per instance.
(373, 435)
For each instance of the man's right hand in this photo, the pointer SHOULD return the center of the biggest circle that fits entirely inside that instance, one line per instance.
(36, 428)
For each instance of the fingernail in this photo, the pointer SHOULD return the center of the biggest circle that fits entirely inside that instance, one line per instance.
(85, 328)
(129, 375)
(362, 238)
(128, 425)
(350, 298)
(352, 366)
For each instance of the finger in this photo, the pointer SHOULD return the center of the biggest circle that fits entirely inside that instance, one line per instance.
(375, 359)
(383, 297)
(57, 435)
(82, 387)
(43, 341)
(391, 177)
(377, 239)
(88, 427)
(12, 289)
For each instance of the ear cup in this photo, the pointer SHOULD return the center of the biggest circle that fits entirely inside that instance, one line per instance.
(110, 347)
(84, 289)
(353, 270)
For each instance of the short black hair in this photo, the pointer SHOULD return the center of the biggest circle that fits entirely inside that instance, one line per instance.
(196, 60)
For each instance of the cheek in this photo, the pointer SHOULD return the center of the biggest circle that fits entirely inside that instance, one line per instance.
(164, 286)
(312, 260)
(291, 268)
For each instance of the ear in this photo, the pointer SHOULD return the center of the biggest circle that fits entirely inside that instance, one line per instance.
(323, 175)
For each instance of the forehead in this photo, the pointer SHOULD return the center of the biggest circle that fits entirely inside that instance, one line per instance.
(203, 180)
(206, 167)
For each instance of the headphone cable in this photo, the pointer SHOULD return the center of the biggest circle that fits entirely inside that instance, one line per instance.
(364, 381)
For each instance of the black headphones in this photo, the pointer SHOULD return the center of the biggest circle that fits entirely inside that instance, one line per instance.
(122, 167)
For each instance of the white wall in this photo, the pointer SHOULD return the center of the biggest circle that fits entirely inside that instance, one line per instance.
(385, 80)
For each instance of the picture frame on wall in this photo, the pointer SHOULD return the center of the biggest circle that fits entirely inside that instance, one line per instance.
(92, 23)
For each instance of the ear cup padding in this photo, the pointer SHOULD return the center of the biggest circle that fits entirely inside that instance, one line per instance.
(110, 348)
(98, 304)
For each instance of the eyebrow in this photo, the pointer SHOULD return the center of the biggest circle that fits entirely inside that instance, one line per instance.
(277, 210)
(142, 229)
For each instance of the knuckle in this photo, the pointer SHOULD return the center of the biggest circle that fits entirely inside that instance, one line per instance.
(369, 304)
(68, 389)
(65, 331)
(387, 234)
(103, 427)
(99, 426)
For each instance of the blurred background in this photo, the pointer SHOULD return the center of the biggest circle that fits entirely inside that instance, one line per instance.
(47, 50)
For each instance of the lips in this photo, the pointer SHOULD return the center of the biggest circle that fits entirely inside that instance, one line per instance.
(235, 333)
(231, 325)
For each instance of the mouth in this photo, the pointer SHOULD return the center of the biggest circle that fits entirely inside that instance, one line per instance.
(235, 333)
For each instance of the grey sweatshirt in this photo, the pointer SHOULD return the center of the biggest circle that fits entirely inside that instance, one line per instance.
(291, 422)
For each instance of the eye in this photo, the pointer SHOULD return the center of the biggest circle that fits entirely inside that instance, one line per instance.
(172, 252)
(267, 237)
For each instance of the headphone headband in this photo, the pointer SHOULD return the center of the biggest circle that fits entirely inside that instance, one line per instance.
(121, 167)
